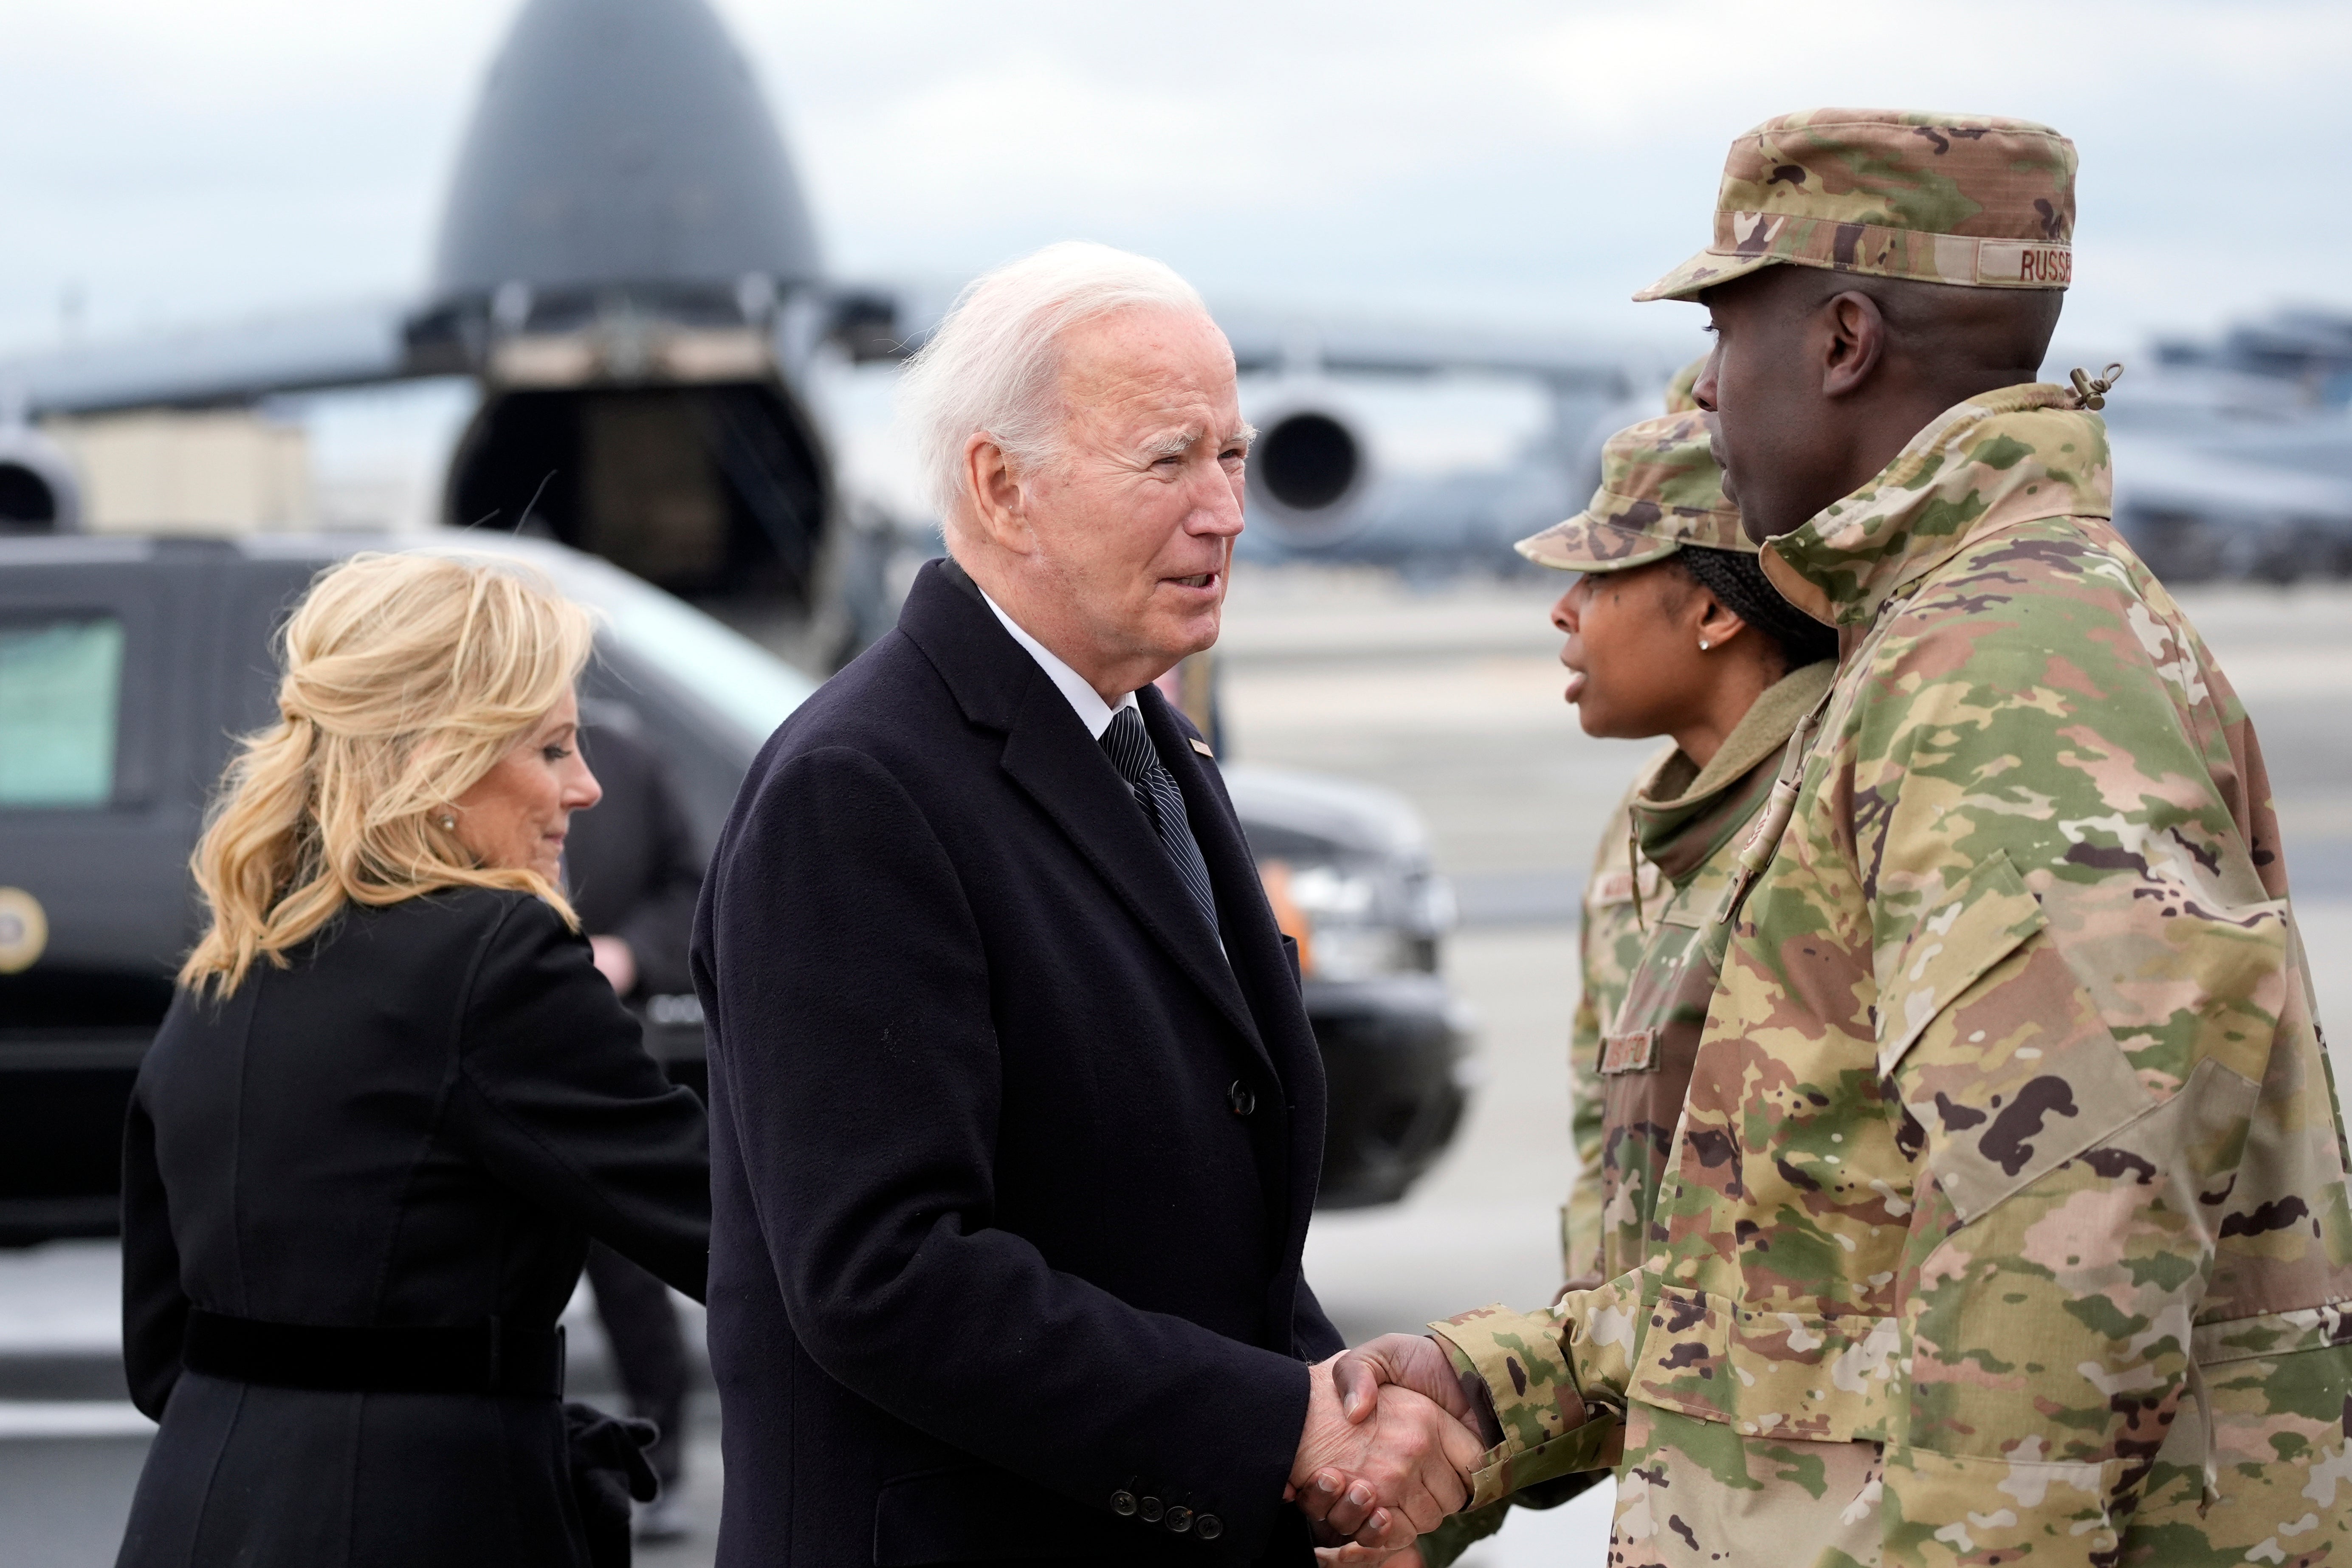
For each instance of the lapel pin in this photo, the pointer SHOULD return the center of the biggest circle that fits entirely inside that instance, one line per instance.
(1203, 747)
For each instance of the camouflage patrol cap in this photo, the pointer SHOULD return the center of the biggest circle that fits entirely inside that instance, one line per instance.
(1660, 489)
(1968, 199)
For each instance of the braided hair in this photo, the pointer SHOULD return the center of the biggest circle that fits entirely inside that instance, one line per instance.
(1734, 577)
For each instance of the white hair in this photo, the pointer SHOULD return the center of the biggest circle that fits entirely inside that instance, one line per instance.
(992, 366)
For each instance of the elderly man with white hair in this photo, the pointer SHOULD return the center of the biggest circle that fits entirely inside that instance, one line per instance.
(1016, 1115)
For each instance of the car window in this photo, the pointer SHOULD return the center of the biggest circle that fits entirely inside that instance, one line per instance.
(60, 703)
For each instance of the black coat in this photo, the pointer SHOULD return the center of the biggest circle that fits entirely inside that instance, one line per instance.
(1011, 1167)
(630, 862)
(421, 1121)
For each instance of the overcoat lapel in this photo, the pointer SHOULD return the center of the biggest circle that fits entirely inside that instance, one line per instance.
(1254, 943)
(1066, 771)
(1252, 939)
(1050, 755)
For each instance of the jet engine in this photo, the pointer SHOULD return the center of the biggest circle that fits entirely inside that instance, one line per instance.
(38, 493)
(1309, 470)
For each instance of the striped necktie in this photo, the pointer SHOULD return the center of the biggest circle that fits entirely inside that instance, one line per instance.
(1130, 750)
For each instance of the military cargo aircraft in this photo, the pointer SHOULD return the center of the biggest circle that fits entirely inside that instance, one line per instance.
(628, 270)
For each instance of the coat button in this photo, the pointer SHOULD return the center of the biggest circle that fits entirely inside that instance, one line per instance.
(1208, 1527)
(1148, 1510)
(1122, 1503)
(1179, 1519)
(1240, 1097)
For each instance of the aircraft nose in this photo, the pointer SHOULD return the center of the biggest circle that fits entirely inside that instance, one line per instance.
(622, 141)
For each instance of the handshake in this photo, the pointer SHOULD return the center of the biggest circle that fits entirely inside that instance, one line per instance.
(1393, 1437)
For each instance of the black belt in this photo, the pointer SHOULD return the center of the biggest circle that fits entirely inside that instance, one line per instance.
(484, 1357)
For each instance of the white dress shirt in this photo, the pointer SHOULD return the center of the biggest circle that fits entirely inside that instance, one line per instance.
(1092, 710)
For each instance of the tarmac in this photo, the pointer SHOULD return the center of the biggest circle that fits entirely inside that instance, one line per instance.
(1450, 694)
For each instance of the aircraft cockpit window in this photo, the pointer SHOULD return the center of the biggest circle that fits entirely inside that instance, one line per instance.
(60, 694)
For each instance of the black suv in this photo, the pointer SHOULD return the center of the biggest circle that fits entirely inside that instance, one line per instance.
(128, 664)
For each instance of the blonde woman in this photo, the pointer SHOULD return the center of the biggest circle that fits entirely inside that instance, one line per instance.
(390, 1105)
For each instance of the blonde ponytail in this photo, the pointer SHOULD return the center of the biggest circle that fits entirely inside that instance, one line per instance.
(406, 678)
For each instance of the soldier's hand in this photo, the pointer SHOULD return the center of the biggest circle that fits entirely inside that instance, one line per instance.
(1416, 1362)
(1382, 1477)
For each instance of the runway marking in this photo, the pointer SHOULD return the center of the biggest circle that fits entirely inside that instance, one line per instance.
(35, 1419)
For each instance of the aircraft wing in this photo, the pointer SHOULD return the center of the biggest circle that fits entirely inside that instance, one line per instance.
(1308, 345)
(352, 345)
(1311, 344)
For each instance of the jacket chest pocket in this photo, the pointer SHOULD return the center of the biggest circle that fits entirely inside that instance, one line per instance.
(1791, 1376)
(1658, 1021)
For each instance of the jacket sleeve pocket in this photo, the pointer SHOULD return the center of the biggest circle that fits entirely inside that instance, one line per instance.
(1954, 941)
(2002, 1057)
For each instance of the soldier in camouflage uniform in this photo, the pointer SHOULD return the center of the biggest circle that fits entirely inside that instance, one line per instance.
(1709, 643)
(2007, 1219)
(1751, 660)
(1610, 933)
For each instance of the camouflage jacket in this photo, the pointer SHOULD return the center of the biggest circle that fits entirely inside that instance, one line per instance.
(1646, 982)
(1648, 976)
(1609, 944)
(2007, 1219)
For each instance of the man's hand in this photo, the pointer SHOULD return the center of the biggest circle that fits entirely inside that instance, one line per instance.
(1353, 1556)
(1349, 1507)
(1390, 1472)
(615, 960)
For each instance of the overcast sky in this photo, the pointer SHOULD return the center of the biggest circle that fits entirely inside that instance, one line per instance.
(165, 163)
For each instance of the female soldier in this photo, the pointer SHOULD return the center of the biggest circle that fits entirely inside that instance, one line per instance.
(1672, 630)
(390, 1104)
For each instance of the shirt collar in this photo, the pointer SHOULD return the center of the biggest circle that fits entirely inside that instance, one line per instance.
(1085, 700)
